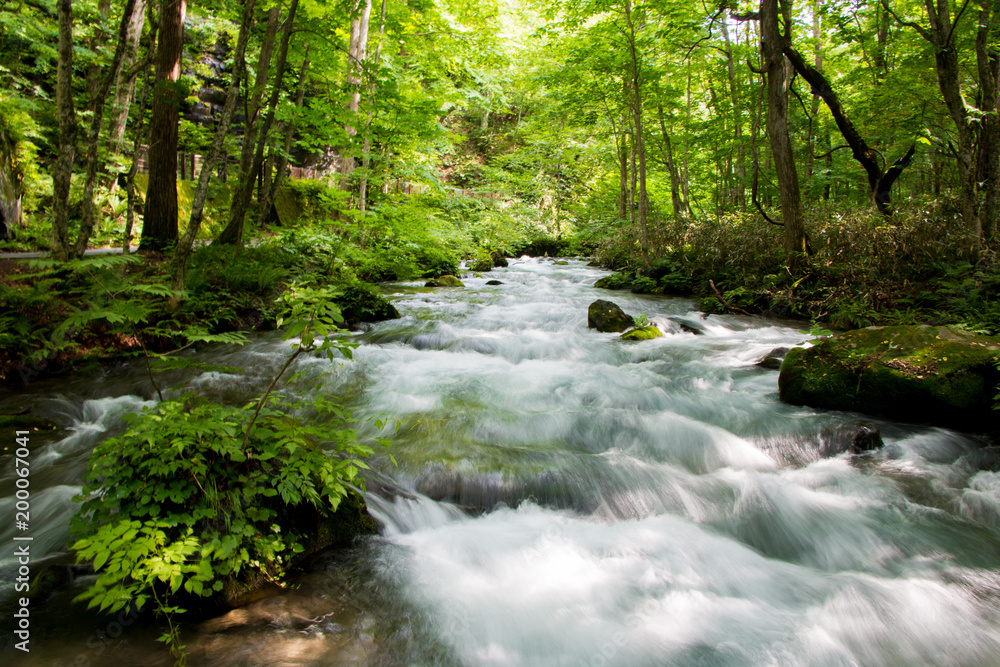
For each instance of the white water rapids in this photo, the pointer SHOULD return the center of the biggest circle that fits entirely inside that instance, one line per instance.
(563, 497)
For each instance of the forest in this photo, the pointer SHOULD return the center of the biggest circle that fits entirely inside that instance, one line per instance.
(180, 181)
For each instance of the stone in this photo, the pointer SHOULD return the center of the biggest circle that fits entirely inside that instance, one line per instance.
(499, 260)
(606, 317)
(772, 360)
(493, 282)
(688, 326)
(855, 438)
(642, 333)
(921, 374)
(444, 281)
(363, 303)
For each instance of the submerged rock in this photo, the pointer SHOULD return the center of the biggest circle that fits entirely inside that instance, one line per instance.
(607, 317)
(493, 282)
(920, 374)
(642, 333)
(444, 281)
(772, 360)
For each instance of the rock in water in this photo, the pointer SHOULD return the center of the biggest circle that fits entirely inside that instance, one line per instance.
(920, 374)
(642, 333)
(608, 317)
(772, 360)
(493, 282)
(444, 281)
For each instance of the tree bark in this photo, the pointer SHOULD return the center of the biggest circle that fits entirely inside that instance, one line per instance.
(63, 172)
(988, 158)
(642, 210)
(97, 110)
(668, 155)
(366, 159)
(879, 181)
(233, 233)
(159, 225)
(282, 163)
(125, 82)
(183, 250)
(772, 42)
(357, 55)
(738, 196)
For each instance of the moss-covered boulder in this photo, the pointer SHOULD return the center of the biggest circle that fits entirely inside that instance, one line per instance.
(616, 281)
(642, 333)
(444, 281)
(364, 303)
(912, 373)
(607, 317)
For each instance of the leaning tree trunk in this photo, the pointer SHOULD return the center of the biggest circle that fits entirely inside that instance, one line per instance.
(880, 182)
(233, 233)
(771, 44)
(159, 224)
(63, 172)
(244, 191)
(271, 193)
(125, 82)
(97, 110)
(183, 250)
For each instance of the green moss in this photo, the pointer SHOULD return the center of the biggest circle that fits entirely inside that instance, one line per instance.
(287, 206)
(642, 333)
(913, 373)
(444, 281)
(24, 422)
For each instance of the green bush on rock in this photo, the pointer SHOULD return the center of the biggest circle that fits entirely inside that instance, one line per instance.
(920, 373)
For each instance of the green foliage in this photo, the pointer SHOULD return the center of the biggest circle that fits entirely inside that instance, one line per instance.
(640, 321)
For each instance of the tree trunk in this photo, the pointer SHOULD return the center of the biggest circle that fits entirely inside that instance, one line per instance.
(771, 44)
(738, 195)
(97, 111)
(668, 155)
(643, 203)
(988, 158)
(233, 233)
(366, 159)
(186, 243)
(63, 172)
(125, 82)
(357, 54)
(282, 163)
(159, 225)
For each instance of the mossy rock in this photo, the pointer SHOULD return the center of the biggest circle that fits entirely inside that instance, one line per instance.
(499, 260)
(444, 281)
(607, 317)
(616, 281)
(561, 262)
(25, 422)
(642, 333)
(364, 303)
(919, 374)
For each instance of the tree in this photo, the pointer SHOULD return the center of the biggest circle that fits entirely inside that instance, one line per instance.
(772, 45)
(63, 171)
(159, 226)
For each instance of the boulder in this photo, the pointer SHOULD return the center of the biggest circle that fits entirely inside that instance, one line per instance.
(642, 333)
(772, 360)
(608, 317)
(854, 437)
(363, 303)
(498, 259)
(921, 374)
(444, 281)
(493, 282)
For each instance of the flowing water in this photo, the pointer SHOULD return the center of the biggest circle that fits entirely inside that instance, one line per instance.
(562, 497)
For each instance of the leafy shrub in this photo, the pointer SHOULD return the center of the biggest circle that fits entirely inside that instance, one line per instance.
(644, 285)
(482, 260)
(616, 281)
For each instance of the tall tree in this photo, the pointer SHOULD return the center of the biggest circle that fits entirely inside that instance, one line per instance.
(772, 44)
(357, 55)
(159, 225)
(63, 172)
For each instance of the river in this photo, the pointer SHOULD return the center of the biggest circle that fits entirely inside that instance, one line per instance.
(562, 497)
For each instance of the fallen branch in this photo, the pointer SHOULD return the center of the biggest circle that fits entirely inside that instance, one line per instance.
(722, 300)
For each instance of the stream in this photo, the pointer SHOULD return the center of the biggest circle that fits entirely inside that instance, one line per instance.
(562, 497)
